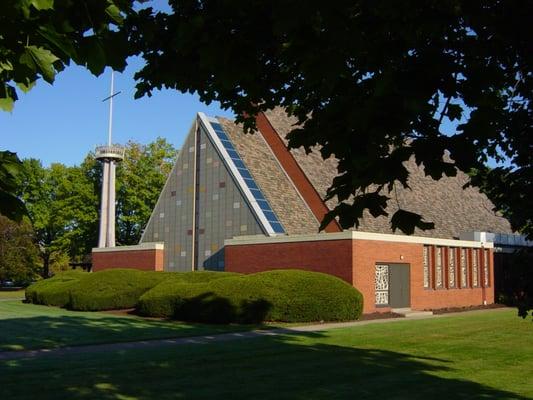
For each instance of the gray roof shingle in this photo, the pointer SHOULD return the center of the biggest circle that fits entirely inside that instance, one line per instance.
(444, 202)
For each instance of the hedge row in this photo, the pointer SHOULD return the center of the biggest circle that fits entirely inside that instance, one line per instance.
(285, 295)
(111, 289)
(54, 291)
(212, 297)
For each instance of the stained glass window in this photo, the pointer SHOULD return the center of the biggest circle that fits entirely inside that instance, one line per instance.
(475, 267)
(486, 268)
(451, 267)
(426, 267)
(464, 269)
(382, 284)
(439, 282)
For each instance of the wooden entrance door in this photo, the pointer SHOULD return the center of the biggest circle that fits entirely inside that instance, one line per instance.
(399, 286)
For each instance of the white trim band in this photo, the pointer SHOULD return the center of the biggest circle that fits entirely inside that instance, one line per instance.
(356, 235)
(136, 247)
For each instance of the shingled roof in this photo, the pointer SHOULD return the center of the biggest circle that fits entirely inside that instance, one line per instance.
(453, 209)
(283, 197)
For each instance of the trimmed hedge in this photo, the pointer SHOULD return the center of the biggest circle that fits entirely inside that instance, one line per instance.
(115, 289)
(282, 295)
(54, 291)
(162, 305)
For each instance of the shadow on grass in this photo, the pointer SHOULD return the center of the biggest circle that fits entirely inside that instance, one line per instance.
(59, 331)
(282, 367)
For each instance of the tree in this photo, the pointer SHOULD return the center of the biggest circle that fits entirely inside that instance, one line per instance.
(371, 82)
(140, 179)
(18, 252)
(63, 209)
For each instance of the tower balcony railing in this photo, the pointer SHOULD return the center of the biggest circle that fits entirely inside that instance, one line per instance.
(112, 152)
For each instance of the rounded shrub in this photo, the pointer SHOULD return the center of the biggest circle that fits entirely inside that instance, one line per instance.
(113, 289)
(160, 300)
(282, 295)
(54, 291)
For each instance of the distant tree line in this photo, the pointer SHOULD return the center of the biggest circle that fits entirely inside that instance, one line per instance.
(63, 203)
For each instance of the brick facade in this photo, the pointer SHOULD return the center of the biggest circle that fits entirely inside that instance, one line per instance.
(354, 261)
(332, 257)
(145, 260)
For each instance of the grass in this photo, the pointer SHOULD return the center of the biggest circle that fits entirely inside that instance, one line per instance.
(29, 326)
(11, 294)
(486, 355)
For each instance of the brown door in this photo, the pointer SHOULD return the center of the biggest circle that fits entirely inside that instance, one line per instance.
(399, 286)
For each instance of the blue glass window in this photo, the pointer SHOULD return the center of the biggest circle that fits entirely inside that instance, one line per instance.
(277, 227)
(248, 179)
(270, 216)
(233, 154)
(227, 144)
(263, 205)
(239, 164)
(244, 173)
(251, 184)
(257, 194)
(217, 127)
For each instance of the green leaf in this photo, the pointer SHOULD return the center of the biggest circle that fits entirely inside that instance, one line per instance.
(95, 55)
(6, 104)
(407, 221)
(6, 66)
(42, 4)
(7, 98)
(114, 12)
(26, 86)
(11, 206)
(454, 112)
(44, 61)
(60, 41)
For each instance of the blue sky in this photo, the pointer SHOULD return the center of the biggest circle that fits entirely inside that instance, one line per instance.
(64, 121)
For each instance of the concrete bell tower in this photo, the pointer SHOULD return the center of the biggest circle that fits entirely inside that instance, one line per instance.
(109, 155)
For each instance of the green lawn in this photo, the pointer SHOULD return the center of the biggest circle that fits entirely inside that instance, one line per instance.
(12, 294)
(486, 355)
(29, 326)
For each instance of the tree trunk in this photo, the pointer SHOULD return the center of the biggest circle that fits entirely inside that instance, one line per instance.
(46, 265)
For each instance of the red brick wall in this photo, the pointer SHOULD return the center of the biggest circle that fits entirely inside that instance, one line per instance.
(367, 253)
(329, 256)
(146, 260)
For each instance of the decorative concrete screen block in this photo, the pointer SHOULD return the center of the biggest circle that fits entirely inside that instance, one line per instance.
(382, 285)
(464, 274)
(451, 267)
(426, 267)
(438, 267)
(475, 268)
(486, 268)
